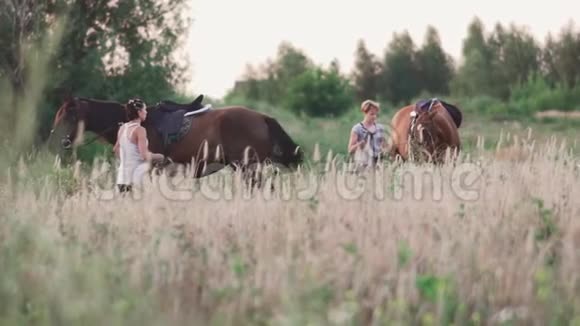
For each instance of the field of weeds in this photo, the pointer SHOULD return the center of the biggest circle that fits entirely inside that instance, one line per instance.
(491, 239)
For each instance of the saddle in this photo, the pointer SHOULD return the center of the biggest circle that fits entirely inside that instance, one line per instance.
(170, 106)
(173, 120)
(426, 105)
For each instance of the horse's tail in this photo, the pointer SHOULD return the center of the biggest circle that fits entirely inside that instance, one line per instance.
(284, 149)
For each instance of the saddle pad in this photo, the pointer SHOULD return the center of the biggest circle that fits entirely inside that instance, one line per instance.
(166, 122)
(183, 130)
(173, 120)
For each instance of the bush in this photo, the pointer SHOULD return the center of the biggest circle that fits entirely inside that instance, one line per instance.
(527, 98)
(537, 95)
(487, 105)
(320, 93)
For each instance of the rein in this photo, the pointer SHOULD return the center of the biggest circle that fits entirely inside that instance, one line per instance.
(428, 136)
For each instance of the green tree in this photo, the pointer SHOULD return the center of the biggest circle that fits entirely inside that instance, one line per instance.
(270, 81)
(22, 25)
(475, 75)
(400, 74)
(476, 40)
(436, 67)
(495, 64)
(366, 73)
(110, 49)
(548, 61)
(561, 57)
(290, 63)
(516, 57)
(319, 92)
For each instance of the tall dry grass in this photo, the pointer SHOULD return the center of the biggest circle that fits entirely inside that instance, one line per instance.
(483, 241)
(487, 240)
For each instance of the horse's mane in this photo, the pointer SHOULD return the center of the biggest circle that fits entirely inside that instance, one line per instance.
(454, 112)
(103, 113)
(92, 100)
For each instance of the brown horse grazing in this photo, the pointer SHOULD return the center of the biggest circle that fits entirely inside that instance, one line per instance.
(233, 136)
(426, 130)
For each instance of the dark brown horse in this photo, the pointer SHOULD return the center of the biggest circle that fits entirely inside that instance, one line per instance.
(426, 130)
(233, 136)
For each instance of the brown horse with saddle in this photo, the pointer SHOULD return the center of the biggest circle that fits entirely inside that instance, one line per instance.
(426, 130)
(233, 136)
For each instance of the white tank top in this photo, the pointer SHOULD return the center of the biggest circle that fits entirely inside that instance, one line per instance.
(131, 166)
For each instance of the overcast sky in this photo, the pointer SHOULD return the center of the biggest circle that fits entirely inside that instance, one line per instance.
(227, 34)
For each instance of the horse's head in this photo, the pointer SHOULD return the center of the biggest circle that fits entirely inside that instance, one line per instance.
(77, 115)
(68, 124)
(424, 132)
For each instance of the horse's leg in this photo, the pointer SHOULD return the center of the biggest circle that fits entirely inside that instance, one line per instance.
(393, 152)
(245, 144)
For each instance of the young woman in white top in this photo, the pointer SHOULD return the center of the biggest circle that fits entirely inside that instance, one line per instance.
(132, 147)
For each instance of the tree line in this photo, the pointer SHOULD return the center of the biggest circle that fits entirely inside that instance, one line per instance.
(119, 49)
(107, 50)
(502, 63)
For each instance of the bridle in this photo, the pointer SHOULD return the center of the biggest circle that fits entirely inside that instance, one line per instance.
(425, 127)
(66, 141)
